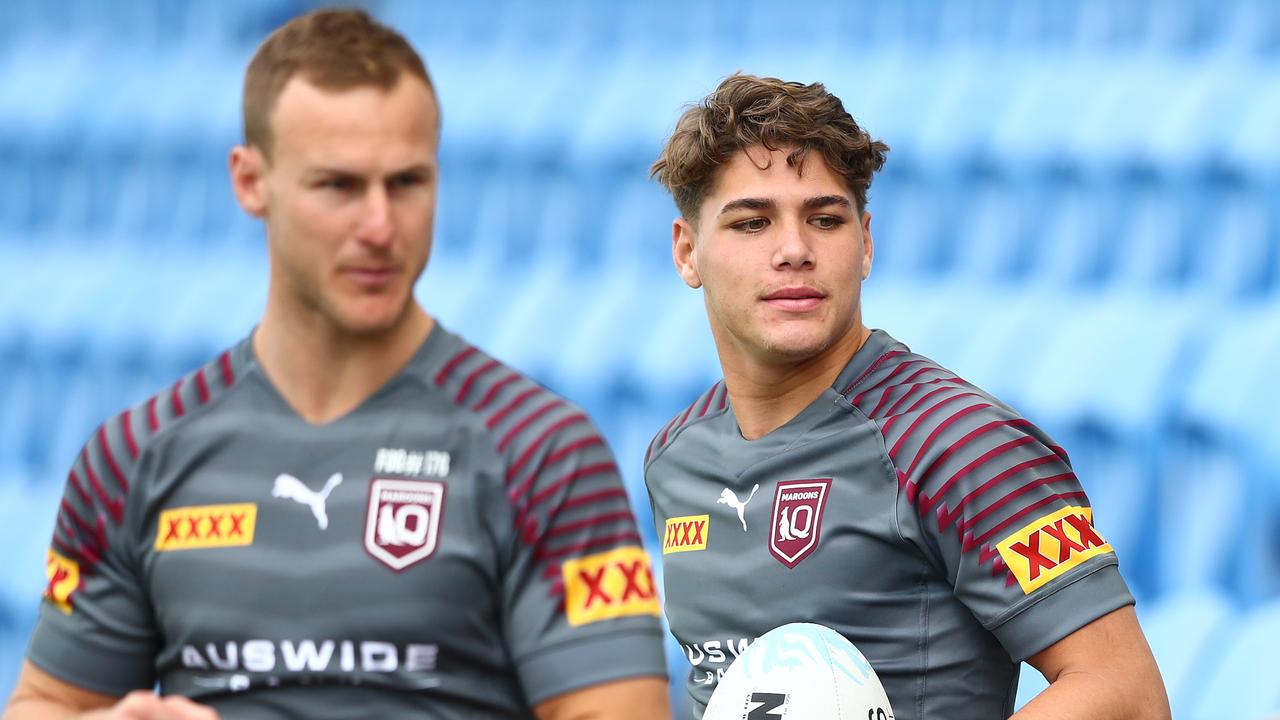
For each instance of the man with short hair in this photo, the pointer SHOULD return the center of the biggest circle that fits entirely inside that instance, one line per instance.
(352, 512)
(867, 488)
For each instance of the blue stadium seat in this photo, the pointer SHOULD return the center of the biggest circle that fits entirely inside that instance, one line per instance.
(1241, 681)
(1183, 630)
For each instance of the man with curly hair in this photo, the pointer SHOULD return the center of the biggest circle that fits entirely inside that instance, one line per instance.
(927, 522)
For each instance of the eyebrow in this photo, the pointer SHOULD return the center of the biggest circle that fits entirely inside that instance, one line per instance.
(812, 203)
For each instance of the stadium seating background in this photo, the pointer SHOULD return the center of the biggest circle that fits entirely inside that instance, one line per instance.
(1081, 213)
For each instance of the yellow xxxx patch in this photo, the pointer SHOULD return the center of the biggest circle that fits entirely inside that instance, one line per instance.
(1050, 546)
(206, 526)
(617, 583)
(685, 534)
(63, 575)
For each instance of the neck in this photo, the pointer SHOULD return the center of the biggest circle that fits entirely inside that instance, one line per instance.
(766, 396)
(323, 372)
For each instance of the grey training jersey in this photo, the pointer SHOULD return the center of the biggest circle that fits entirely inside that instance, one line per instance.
(928, 523)
(459, 546)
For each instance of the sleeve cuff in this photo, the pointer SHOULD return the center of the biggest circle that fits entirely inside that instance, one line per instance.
(591, 661)
(1067, 609)
(87, 664)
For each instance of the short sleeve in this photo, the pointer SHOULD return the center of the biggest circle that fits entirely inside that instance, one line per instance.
(580, 603)
(999, 509)
(95, 629)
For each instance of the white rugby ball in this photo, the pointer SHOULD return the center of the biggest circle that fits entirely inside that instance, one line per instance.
(800, 671)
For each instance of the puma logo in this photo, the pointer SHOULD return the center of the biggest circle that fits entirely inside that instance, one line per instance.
(288, 486)
(727, 497)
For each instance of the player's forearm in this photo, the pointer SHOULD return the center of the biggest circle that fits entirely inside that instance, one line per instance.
(1097, 695)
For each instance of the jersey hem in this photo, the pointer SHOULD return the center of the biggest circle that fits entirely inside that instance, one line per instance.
(577, 664)
(1081, 601)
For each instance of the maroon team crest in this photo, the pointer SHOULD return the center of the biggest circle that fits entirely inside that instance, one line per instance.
(797, 519)
(402, 523)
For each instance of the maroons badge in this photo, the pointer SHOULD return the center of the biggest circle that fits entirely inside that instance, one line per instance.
(796, 523)
(402, 522)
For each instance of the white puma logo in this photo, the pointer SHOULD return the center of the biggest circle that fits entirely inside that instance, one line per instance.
(288, 486)
(727, 497)
(788, 531)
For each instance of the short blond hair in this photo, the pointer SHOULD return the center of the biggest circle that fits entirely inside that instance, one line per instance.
(332, 49)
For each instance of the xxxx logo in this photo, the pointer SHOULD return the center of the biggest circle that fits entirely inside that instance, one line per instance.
(1052, 545)
(612, 584)
(63, 575)
(206, 526)
(685, 534)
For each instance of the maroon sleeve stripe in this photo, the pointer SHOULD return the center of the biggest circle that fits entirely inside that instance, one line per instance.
(126, 427)
(867, 373)
(538, 441)
(175, 398)
(927, 502)
(202, 387)
(511, 407)
(911, 429)
(968, 524)
(724, 398)
(679, 423)
(552, 554)
(893, 410)
(153, 420)
(666, 429)
(228, 374)
(548, 461)
(470, 382)
(1021, 514)
(453, 363)
(74, 481)
(886, 380)
(82, 551)
(566, 528)
(594, 497)
(585, 471)
(948, 515)
(115, 506)
(84, 530)
(710, 396)
(524, 424)
(493, 391)
(111, 460)
(942, 427)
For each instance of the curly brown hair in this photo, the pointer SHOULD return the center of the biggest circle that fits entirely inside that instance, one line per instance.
(745, 111)
(332, 49)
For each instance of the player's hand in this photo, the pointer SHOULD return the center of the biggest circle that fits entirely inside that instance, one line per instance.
(146, 705)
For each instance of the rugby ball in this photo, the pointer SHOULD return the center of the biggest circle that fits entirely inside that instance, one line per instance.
(800, 671)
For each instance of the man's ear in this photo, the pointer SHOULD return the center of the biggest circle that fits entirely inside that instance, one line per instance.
(868, 245)
(248, 179)
(682, 239)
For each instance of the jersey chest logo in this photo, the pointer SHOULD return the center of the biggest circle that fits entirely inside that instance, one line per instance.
(402, 522)
(796, 523)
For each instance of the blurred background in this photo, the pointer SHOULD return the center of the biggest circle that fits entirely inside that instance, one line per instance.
(1080, 213)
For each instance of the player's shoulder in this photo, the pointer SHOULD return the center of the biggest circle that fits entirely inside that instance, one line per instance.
(921, 407)
(519, 415)
(105, 474)
(713, 402)
(123, 438)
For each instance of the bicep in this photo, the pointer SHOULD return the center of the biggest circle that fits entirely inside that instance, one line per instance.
(40, 694)
(643, 698)
(1112, 647)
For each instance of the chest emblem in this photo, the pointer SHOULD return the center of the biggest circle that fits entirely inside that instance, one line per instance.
(796, 521)
(402, 522)
(290, 487)
(730, 498)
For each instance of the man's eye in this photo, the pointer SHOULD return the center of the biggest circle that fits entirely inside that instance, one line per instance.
(751, 225)
(338, 184)
(827, 222)
(404, 181)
